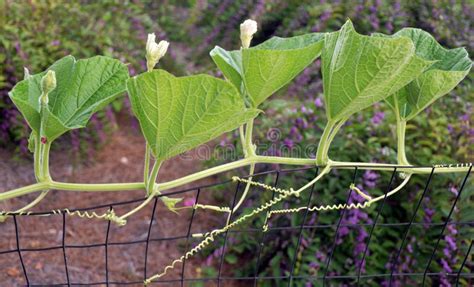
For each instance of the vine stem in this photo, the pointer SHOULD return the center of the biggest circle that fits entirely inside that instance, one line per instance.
(45, 161)
(249, 149)
(242, 136)
(334, 131)
(41, 169)
(84, 187)
(146, 167)
(393, 191)
(37, 157)
(323, 147)
(246, 190)
(29, 205)
(401, 129)
(152, 179)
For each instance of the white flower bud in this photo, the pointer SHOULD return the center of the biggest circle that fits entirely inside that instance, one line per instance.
(27, 73)
(247, 29)
(48, 83)
(154, 51)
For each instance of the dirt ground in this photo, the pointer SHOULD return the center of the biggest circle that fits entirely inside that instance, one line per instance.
(120, 159)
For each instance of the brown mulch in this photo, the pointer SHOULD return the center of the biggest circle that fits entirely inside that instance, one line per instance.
(120, 159)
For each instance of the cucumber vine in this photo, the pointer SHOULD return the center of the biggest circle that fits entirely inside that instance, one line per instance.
(409, 70)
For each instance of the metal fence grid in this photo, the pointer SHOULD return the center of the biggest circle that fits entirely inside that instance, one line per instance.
(256, 278)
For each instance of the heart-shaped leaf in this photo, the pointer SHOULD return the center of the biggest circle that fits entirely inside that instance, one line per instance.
(177, 114)
(360, 70)
(262, 70)
(450, 68)
(83, 87)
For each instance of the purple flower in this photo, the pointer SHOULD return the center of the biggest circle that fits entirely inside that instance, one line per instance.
(453, 190)
(450, 128)
(289, 143)
(370, 178)
(389, 26)
(318, 102)
(301, 123)
(464, 118)
(446, 266)
(306, 110)
(377, 118)
(293, 131)
(189, 202)
(55, 43)
(343, 231)
(428, 217)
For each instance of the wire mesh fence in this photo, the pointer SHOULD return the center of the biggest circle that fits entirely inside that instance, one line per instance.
(298, 249)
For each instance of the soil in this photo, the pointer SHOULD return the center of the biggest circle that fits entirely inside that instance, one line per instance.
(120, 159)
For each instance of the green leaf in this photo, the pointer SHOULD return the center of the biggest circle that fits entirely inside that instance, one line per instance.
(170, 202)
(262, 70)
(177, 114)
(83, 88)
(450, 67)
(231, 258)
(230, 63)
(360, 70)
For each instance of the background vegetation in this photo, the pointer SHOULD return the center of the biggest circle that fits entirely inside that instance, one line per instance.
(36, 33)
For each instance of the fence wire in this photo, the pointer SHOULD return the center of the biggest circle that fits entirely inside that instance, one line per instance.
(257, 276)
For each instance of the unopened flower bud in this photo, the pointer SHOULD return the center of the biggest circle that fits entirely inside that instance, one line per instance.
(247, 29)
(48, 83)
(27, 73)
(154, 51)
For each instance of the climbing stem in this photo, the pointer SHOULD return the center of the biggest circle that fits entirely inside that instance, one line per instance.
(28, 206)
(94, 187)
(122, 218)
(146, 167)
(45, 175)
(242, 137)
(246, 190)
(249, 148)
(334, 131)
(152, 179)
(37, 157)
(401, 154)
(323, 147)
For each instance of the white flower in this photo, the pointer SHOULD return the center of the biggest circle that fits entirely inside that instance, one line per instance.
(247, 29)
(48, 83)
(154, 51)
